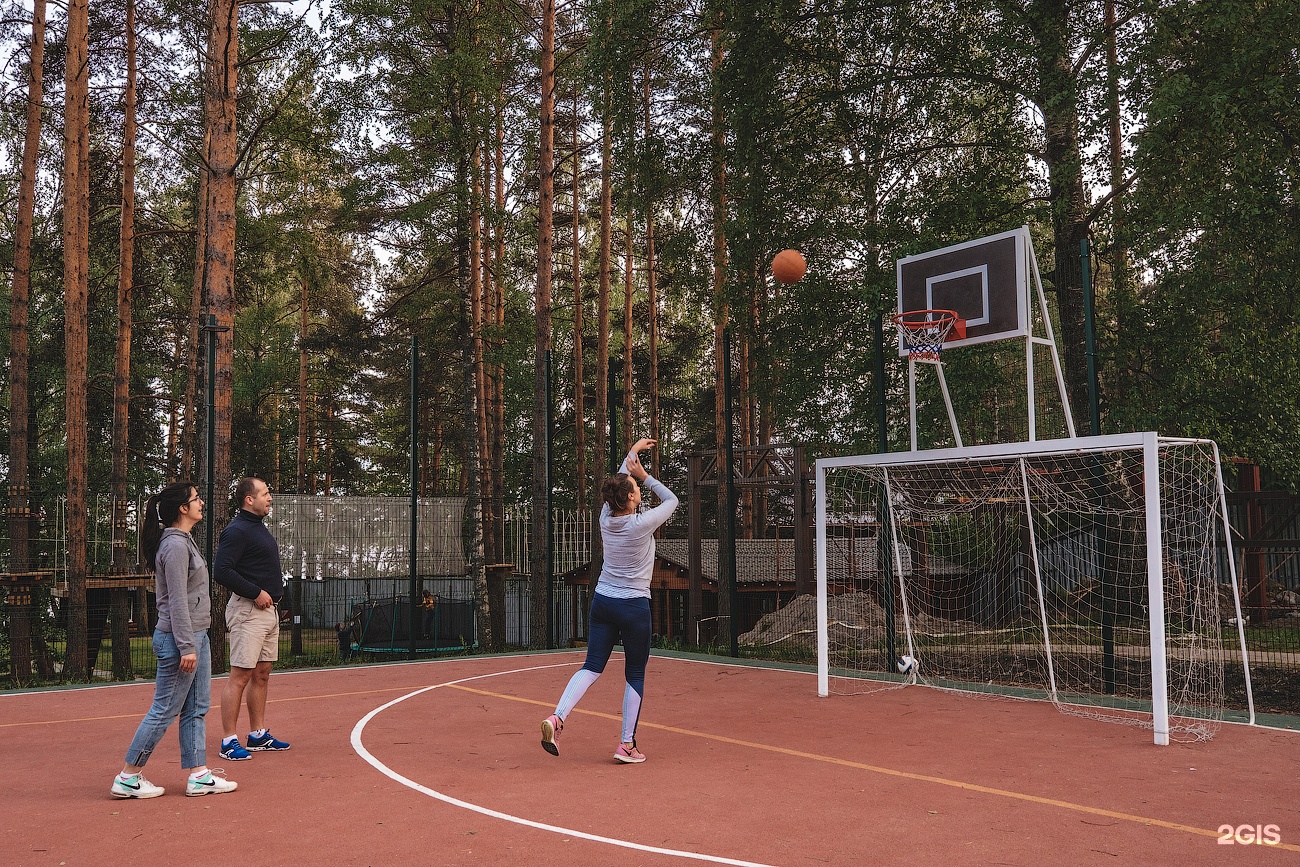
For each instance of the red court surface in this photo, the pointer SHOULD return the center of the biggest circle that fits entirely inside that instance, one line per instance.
(440, 763)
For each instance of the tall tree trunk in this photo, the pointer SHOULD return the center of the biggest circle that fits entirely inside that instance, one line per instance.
(76, 261)
(541, 544)
(122, 364)
(187, 469)
(1119, 250)
(174, 411)
(126, 255)
(22, 620)
(219, 249)
(304, 483)
(490, 602)
(575, 265)
(275, 443)
(498, 454)
(487, 373)
(1059, 104)
(749, 403)
(304, 395)
(1119, 270)
(328, 482)
(629, 295)
(600, 434)
(652, 297)
(477, 316)
(720, 321)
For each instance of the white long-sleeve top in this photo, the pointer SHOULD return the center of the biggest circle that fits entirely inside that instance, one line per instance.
(629, 542)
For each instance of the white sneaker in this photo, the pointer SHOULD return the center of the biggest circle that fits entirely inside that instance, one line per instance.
(209, 784)
(134, 786)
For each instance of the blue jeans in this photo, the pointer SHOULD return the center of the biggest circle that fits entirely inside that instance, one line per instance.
(177, 694)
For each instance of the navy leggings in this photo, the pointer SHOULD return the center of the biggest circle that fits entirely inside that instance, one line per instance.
(612, 619)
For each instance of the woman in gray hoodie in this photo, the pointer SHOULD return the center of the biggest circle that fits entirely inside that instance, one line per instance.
(184, 684)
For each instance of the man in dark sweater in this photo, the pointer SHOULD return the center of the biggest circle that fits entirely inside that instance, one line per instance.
(247, 562)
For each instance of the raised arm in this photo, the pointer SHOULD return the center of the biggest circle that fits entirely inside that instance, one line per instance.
(667, 503)
(632, 463)
(667, 499)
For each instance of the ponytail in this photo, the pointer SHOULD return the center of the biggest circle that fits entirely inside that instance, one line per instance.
(161, 511)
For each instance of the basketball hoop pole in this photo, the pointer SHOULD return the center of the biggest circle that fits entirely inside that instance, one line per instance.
(943, 387)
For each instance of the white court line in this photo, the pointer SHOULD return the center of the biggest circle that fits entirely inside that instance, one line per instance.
(496, 814)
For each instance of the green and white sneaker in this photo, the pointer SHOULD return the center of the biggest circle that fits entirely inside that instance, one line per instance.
(209, 784)
(134, 786)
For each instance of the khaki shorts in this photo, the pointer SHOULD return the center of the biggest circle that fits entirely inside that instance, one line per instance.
(254, 632)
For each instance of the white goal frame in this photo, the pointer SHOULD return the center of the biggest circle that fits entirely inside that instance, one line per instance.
(1149, 443)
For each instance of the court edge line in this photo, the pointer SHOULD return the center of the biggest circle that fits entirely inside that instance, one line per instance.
(755, 664)
(87, 687)
(368, 757)
(758, 664)
(217, 706)
(943, 781)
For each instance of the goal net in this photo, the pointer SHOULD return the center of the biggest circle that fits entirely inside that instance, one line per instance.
(1092, 572)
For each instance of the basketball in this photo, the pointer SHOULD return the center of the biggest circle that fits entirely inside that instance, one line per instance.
(789, 267)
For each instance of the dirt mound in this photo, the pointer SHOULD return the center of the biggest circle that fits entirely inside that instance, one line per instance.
(853, 617)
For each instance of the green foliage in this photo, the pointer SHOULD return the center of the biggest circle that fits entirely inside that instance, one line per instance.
(856, 132)
(1216, 225)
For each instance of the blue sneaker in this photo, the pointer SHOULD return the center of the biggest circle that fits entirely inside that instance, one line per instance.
(231, 751)
(265, 742)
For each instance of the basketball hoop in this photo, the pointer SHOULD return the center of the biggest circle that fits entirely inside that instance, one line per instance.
(923, 332)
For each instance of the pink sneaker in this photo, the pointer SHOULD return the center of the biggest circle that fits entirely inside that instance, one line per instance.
(551, 728)
(629, 755)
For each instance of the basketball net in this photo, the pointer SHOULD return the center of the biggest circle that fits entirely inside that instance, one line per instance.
(923, 333)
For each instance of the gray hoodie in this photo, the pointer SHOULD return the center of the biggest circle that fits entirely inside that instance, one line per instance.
(181, 580)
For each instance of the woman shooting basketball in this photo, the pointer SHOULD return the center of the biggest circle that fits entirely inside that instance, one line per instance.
(620, 606)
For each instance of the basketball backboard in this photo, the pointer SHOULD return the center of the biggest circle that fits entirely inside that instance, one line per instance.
(985, 281)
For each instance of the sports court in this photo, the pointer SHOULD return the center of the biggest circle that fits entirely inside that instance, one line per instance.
(439, 763)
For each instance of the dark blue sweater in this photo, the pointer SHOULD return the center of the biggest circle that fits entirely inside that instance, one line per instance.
(248, 559)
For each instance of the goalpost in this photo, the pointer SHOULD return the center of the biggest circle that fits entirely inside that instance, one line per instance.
(1094, 572)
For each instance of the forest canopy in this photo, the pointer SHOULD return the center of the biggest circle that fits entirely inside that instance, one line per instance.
(603, 184)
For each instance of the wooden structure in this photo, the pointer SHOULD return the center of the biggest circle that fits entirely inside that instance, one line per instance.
(779, 469)
(1270, 522)
(26, 643)
(669, 586)
(109, 604)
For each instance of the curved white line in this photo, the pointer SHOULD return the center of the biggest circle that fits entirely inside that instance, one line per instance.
(409, 783)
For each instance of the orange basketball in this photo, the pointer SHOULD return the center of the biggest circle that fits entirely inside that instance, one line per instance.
(789, 267)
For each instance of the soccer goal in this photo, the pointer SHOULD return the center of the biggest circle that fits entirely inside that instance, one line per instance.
(1093, 572)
